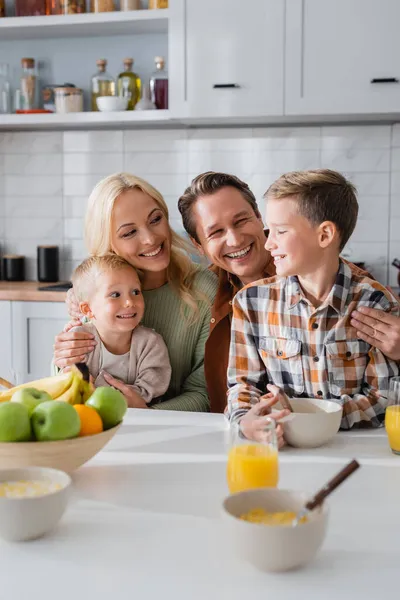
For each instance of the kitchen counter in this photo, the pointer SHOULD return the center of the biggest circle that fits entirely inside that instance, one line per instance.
(145, 518)
(28, 291)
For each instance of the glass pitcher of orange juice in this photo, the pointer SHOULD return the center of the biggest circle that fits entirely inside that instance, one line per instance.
(392, 415)
(252, 464)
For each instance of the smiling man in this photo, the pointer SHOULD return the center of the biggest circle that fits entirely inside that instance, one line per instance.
(220, 214)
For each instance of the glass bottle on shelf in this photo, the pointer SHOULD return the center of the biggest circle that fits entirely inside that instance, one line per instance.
(129, 84)
(28, 84)
(159, 84)
(31, 8)
(97, 6)
(158, 4)
(2, 8)
(5, 89)
(67, 7)
(103, 83)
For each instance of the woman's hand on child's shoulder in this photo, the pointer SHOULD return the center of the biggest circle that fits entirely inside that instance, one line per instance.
(71, 347)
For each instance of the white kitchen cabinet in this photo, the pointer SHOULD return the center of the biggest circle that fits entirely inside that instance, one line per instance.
(233, 58)
(34, 327)
(5, 341)
(342, 57)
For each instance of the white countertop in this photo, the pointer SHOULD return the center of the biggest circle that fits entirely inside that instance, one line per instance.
(144, 522)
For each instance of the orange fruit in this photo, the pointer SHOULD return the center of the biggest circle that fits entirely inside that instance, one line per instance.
(91, 422)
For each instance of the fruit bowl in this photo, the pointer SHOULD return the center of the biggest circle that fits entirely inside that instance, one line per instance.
(65, 455)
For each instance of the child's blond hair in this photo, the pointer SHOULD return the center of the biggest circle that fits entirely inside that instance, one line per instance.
(85, 275)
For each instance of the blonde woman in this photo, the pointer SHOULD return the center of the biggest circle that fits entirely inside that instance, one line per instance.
(129, 217)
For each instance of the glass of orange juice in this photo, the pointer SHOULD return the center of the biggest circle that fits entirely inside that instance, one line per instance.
(392, 416)
(252, 464)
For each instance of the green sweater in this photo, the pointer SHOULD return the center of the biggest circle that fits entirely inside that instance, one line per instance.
(185, 342)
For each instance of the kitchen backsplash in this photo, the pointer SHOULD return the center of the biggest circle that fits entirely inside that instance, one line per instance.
(46, 178)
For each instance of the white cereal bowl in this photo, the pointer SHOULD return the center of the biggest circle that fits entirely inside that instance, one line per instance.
(313, 422)
(28, 518)
(273, 548)
(111, 103)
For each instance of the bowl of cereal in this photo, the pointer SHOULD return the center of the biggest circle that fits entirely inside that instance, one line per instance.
(32, 501)
(258, 526)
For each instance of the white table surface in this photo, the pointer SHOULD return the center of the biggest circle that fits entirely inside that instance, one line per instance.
(144, 522)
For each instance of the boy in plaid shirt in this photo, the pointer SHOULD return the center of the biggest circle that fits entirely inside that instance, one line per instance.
(291, 333)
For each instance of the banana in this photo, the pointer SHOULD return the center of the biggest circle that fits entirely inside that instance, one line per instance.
(72, 394)
(80, 390)
(55, 386)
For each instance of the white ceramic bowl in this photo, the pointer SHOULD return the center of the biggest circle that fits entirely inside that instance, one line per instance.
(29, 518)
(313, 422)
(111, 103)
(273, 547)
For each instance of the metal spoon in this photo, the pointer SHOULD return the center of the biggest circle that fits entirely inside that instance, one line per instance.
(325, 491)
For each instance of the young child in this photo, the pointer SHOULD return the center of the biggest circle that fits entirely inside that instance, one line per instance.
(109, 294)
(293, 330)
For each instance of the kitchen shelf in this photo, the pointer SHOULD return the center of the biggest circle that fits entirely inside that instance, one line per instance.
(88, 120)
(88, 24)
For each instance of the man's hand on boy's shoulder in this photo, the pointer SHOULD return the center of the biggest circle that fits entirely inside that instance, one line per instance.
(378, 328)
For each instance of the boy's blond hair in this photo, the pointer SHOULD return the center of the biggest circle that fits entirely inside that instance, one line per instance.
(85, 275)
(322, 195)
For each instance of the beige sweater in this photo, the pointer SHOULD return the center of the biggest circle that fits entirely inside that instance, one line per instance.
(147, 368)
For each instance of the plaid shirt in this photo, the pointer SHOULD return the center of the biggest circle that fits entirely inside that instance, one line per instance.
(279, 337)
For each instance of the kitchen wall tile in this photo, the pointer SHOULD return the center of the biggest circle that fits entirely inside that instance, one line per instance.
(38, 229)
(370, 184)
(396, 135)
(80, 185)
(97, 163)
(93, 141)
(395, 229)
(395, 205)
(259, 183)
(237, 163)
(41, 206)
(356, 160)
(287, 138)
(156, 140)
(67, 267)
(31, 142)
(172, 203)
(394, 252)
(395, 165)
(33, 164)
(217, 140)
(279, 161)
(2, 158)
(374, 207)
(32, 185)
(373, 230)
(76, 250)
(147, 163)
(349, 138)
(395, 184)
(2, 206)
(73, 229)
(75, 206)
(369, 252)
(172, 184)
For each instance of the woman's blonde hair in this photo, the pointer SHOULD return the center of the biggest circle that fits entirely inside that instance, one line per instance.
(181, 269)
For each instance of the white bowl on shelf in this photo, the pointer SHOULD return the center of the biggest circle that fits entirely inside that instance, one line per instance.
(111, 103)
(28, 518)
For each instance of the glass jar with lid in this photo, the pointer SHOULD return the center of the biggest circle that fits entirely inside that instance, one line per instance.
(68, 99)
(31, 8)
(103, 83)
(97, 6)
(67, 7)
(28, 84)
(158, 4)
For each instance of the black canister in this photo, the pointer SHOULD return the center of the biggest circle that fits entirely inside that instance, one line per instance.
(13, 267)
(48, 263)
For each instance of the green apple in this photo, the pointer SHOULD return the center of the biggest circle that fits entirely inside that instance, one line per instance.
(55, 420)
(15, 425)
(30, 397)
(110, 404)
